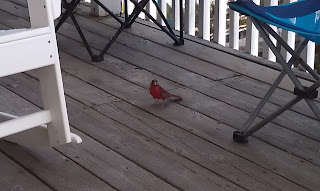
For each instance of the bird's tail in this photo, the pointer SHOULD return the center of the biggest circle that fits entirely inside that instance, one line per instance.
(179, 98)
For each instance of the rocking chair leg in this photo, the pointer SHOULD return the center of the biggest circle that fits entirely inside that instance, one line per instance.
(52, 93)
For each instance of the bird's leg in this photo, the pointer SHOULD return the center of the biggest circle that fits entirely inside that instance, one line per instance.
(156, 102)
(162, 103)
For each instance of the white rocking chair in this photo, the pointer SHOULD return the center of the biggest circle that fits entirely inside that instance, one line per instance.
(36, 48)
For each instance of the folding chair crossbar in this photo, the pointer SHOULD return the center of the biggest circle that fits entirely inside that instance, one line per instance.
(301, 92)
(129, 19)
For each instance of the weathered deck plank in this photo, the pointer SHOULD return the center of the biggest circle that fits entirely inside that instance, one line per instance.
(85, 152)
(192, 80)
(215, 91)
(104, 165)
(13, 177)
(290, 119)
(117, 138)
(101, 79)
(46, 164)
(168, 114)
(208, 54)
(192, 151)
(247, 105)
(158, 41)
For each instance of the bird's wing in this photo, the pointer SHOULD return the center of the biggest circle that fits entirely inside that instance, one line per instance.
(163, 92)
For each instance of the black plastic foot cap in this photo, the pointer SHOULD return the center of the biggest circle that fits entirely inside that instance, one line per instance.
(239, 137)
(178, 43)
(97, 58)
(127, 27)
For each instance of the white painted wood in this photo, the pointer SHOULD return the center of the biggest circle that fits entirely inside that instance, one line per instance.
(38, 11)
(190, 17)
(252, 36)
(220, 20)
(267, 53)
(7, 36)
(37, 136)
(96, 10)
(234, 29)
(113, 5)
(308, 54)
(204, 19)
(152, 10)
(21, 53)
(56, 8)
(53, 99)
(36, 48)
(176, 14)
(142, 15)
(24, 123)
(130, 7)
(163, 7)
(289, 37)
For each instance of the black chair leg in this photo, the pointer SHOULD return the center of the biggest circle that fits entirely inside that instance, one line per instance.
(129, 19)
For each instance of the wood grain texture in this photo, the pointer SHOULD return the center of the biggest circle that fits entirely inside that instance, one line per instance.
(211, 156)
(13, 177)
(47, 164)
(54, 168)
(220, 92)
(237, 99)
(85, 157)
(197, 82)
(158, 160)
(137, 97)
(131, 88)
(212, 54)
(191, 119)
(259, 89)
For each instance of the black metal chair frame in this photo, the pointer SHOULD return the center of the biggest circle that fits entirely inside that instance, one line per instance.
(302, 93)
(128, 21)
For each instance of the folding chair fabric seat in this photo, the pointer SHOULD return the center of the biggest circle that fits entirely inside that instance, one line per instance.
(22, 50)
(303, 18)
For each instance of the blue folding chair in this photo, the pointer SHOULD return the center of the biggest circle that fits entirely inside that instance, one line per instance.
(303, 18)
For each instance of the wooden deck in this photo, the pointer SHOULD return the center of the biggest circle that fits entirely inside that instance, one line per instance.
(130, 144)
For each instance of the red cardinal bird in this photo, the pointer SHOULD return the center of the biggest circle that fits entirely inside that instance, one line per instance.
(158, 92)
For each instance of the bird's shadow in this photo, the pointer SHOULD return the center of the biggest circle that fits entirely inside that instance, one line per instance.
(165, 103)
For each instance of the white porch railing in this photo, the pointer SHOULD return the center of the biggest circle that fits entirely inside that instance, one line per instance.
(222, 18)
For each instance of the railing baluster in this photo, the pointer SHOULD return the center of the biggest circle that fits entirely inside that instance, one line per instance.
(142, 15)
(308, 54)
(130, 7)
(96, 10)
(152, 10)
(190, 17)
(252, 36)
(234, 29)
(220, 20)
(163, 6)
(267, 53)
(204, 19)
(176, 14)
(289, 37)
